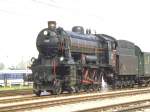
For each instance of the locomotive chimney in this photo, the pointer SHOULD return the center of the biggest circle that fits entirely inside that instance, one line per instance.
(52, 25)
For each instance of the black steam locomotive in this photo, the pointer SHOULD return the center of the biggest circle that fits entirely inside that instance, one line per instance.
(73, 61)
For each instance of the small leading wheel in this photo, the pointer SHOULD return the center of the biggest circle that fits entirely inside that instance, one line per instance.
(57, 89)
(37, 92)
(77, 89)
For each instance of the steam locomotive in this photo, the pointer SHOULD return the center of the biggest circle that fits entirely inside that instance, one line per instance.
(74, 60)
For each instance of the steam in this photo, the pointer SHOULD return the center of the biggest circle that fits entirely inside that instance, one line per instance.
(104, 86)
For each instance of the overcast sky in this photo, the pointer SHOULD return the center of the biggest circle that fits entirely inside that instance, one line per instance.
(21, 20)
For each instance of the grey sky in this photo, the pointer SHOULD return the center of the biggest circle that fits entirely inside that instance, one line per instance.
(21, 20)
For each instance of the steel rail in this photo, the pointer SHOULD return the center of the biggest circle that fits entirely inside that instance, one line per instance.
(121, 107)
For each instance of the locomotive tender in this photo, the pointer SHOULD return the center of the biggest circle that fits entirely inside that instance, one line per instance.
(73, 61)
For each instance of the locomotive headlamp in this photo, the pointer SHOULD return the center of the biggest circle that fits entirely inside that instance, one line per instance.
(45, 32)
(61, 58)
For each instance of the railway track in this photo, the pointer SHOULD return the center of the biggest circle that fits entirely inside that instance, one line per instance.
(121, 107)
(15, 92)
(102, 95)
(41, 102)
(7, 93)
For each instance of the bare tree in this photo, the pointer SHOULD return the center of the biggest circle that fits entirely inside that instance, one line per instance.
(21, 65)
(2, 66)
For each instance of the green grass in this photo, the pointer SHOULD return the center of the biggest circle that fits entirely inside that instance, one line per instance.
(15, 88)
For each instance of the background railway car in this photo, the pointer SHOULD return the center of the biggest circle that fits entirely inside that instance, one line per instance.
(13, 77)
(145, 71)
(2, 81)
(146, 64)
